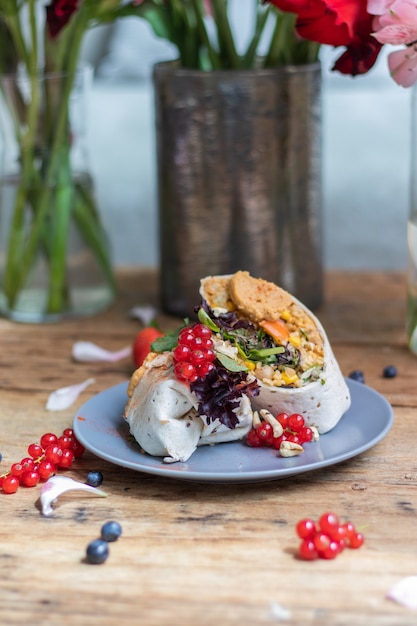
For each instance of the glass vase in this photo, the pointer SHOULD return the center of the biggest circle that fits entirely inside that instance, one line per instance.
(54, 254)
(239, 179)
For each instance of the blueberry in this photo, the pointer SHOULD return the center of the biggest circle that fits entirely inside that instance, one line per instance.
(357, 375)
(97, 551)
(390, 371)
(94, 479)
(110, 531)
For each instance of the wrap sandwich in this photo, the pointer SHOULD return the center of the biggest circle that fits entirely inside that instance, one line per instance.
(285, 345)
(269, 352)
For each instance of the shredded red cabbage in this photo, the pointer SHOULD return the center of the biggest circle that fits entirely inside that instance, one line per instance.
(220, 392)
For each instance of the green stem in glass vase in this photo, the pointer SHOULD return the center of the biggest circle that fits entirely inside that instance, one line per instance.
(47, 184)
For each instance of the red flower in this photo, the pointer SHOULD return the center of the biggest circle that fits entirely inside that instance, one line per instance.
(337, 23)
(58, 14)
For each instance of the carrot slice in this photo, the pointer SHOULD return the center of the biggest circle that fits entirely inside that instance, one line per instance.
(277, 330)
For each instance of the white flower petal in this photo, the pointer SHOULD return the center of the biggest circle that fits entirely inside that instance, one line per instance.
(56, 486)
(146, 313)
(62, 398)
(278, 612)
(88, 352)
(405, 592)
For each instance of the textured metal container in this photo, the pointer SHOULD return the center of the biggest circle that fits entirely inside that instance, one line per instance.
(239, 179)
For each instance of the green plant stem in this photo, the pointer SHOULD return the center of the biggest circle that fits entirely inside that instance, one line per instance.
(250, 55)
(225, 37)
(202, 31)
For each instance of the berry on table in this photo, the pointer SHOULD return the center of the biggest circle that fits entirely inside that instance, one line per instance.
(389, 371)
(357, 375)
(94, 478)
(97, 551)
(111, 531)
(326, 538)
(52, 452)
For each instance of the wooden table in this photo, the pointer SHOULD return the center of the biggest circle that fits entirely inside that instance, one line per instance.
(205, 554)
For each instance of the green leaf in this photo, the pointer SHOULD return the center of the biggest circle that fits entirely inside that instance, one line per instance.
(264, 352)
(207, 321)
(230, 364)
(169, 341)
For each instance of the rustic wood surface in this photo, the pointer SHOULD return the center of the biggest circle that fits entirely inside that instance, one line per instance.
(202, 554)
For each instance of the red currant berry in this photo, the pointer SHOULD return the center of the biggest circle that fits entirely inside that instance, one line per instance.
(64, 442)
(306, 434)
(53, 453)
(67, 458)
(306, 528)
(28, 464)
(338, 533)
(204, 369)
(196, 343)
(206, 344)
(197, 357)
(77, 448)
(293, 438)
(350, 530)
(10, 484)
(283, 419)
(296, 422)
(182, 353)
(68, 432)
(264, 432)
(276, 441)
(184, 371)
(331, 551)
(209, 355)
(185, 337)
(30, 479)
(328, 522)
(307, 550)
(321, 541)
(46, 469)
(252, 439)
(35, 450)
(17, 470)
(47, 439)
(201, 330)
(356, 540)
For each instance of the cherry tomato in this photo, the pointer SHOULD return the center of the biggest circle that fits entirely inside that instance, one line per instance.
(142, 343)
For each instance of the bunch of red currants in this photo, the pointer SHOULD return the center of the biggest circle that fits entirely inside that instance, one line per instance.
(194, 354)
(43, 461)
(327, 538)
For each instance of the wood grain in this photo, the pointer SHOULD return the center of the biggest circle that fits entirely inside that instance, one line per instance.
(206, 554)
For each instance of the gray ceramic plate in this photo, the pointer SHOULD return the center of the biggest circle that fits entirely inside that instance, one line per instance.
(99, 426)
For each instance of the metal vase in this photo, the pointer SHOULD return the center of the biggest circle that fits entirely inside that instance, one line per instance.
(239, 179)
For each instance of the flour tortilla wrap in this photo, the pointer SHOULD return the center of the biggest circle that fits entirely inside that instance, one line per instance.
(163, 417)
(322, 401)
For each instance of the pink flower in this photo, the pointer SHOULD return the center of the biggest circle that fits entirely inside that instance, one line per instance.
(395, 23)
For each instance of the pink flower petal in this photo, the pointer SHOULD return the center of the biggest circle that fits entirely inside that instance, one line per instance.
(396, 34)
(88, 352)
(62, 398)
(405, 592)
(56, 486)
(145, 313)
(403, 66)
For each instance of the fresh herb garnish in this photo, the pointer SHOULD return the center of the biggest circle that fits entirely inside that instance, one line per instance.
(169, 341)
